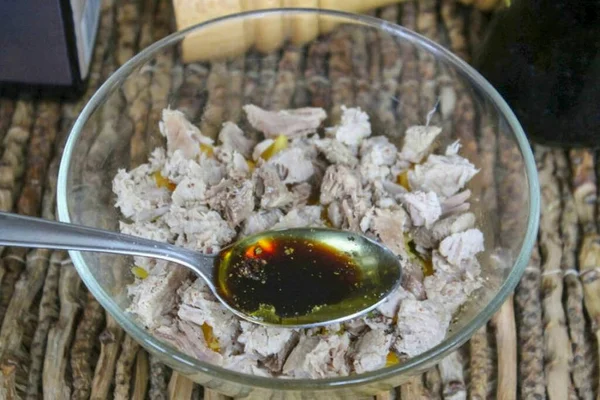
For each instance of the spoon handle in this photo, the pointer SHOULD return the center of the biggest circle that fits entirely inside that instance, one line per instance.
(21, 231)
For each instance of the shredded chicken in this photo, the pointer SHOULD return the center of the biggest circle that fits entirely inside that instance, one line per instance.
(271, 189)
(181, 134)
(233, 139)
(299, 122)
(424, 208)
(336, 152)
(462, 246)
(445, 175)
(339, 182)
(388, 225)
(371, 351)
(420, 325)
(301, 217)
(293, 165)
(418, 141)
(353, 128)
(319, 357)
(260, 221)
(264, 341)
(155, 296)
(203, 196)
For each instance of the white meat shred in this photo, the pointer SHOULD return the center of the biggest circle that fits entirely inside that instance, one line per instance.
(204, 195)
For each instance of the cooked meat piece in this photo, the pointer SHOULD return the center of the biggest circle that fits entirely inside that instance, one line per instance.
(207, 169)
(355, 211)
(430, 238)
(245, 364)
(388, 225)
(232, 139)
(336, 152)
(138, 196)
(453, 224)
(189, 192)
(263, 341)
(293, 165)
(456, 204)
(234, 197)
(273, 193)
(450, 292)
(412, 278)
(189, 342)
(240, 203)
(466, 269)
(423, 208)
(338, 183)
(462, 246)
(260, 148)
(370, 172)
(237, 166)
(334, 214)
(355, 327)
(301, 193)
(367, 220)
(181, 134)
(308, 145)
(319, 357)
(156, 230)
(445, 175)
(389, 307)
(394, 189)
(154, 297)
(292, 123)
(377, 156)
(275, 362)
(381, 197)
(371, 351)
(378, 150)
(307, 216)
(452, 284)
(260, 221)
(377, 321)
(199, 229)
(199, 306)
(421, 325)
(353, 128)
(216, 196)
(418, 142)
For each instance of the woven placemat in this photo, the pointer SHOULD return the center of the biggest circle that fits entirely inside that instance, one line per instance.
(56, 341)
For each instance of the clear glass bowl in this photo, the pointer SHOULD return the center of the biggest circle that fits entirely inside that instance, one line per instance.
(393, 74)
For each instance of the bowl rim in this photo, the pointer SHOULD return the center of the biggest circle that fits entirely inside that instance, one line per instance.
(414, 364)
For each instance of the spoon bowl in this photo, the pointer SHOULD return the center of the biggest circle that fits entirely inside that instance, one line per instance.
(334, 275)
(305, 277)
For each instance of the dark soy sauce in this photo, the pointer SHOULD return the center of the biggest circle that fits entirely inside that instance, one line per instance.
(305, 276)
(298, 275)
(282, 279)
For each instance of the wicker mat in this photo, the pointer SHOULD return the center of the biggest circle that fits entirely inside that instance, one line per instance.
(56, 341)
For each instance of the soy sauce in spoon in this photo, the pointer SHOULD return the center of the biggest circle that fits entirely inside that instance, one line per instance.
(303, 276)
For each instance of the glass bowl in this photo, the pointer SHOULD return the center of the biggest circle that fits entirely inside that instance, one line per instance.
(393, 74)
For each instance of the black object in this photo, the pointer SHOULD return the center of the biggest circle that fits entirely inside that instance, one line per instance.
(46, 46)
(543, 56)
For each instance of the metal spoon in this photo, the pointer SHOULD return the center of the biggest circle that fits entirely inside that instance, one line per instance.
(376, 272)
